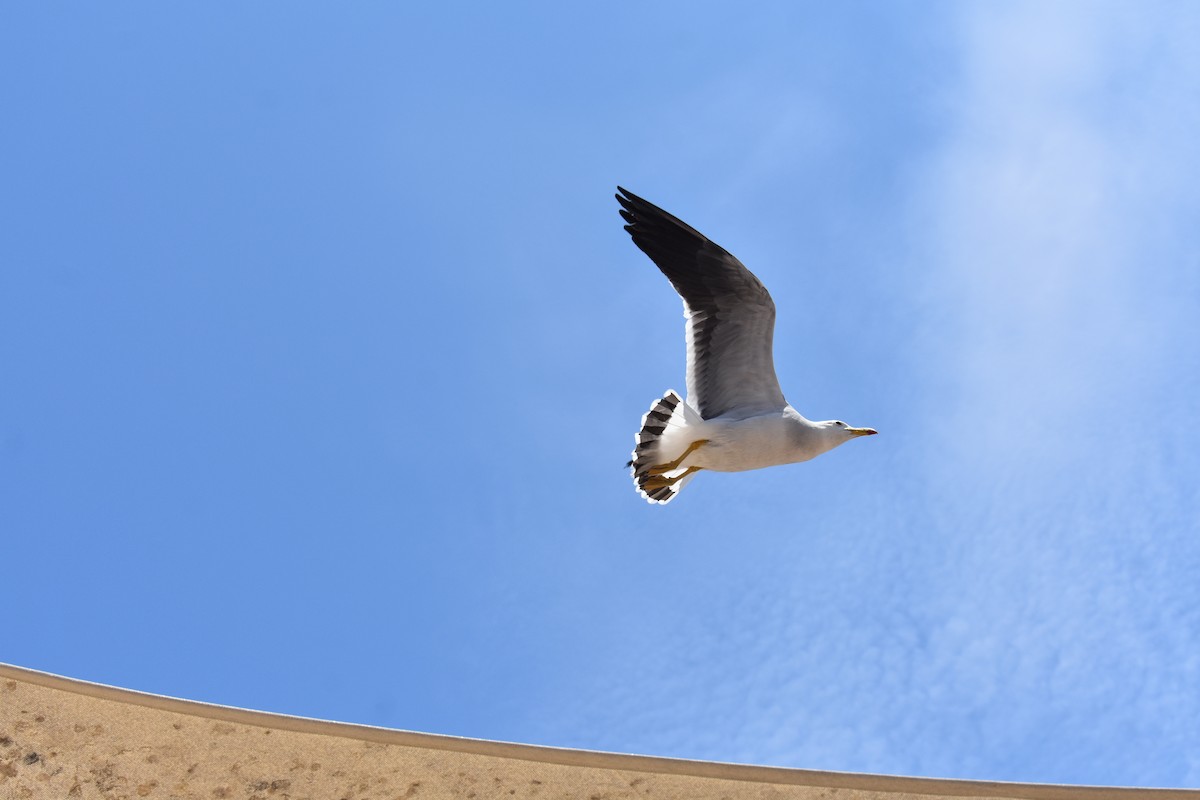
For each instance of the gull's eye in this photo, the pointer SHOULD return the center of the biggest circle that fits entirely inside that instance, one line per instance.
(840, 424)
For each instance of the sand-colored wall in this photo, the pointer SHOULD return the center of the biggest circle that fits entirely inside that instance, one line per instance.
(61, 738)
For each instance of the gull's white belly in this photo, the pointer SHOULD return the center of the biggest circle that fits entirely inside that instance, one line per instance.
(753, 443)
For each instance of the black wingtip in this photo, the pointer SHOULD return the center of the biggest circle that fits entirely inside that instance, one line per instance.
(628, 198)
(643, 211)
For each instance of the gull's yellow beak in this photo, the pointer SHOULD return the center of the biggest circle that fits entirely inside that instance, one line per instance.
(861, 431)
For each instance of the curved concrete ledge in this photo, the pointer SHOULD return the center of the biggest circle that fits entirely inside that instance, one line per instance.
(66, 738)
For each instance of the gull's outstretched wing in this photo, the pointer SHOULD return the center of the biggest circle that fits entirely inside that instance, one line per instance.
(730, 315)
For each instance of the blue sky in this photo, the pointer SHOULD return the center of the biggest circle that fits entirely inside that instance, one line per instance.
(323, 348)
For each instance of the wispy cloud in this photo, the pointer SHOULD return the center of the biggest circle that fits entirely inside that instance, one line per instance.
(1058, 242)
(1046, 273)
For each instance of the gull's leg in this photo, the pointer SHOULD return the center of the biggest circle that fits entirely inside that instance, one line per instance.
(662, 469)
(658, 482)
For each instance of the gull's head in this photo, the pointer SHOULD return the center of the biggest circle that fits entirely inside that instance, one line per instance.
(841, 432)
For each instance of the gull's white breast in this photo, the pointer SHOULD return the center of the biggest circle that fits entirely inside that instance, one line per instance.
(734, 445)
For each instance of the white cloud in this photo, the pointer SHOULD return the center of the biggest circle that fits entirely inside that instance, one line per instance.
(1061, 205)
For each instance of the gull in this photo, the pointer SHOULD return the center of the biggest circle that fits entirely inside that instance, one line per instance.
(735, 417)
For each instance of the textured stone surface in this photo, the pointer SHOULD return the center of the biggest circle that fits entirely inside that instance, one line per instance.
(67, 739)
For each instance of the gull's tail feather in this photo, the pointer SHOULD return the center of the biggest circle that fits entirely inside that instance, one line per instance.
(663, 437)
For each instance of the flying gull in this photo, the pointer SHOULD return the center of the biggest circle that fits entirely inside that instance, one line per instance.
(735, 417)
